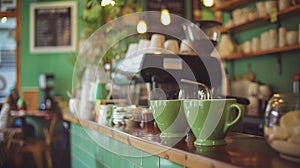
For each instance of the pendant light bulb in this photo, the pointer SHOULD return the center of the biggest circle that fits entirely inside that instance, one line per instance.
(108, 2)
(165, 17)
(4, 20)
(208, 3)
(141, 27)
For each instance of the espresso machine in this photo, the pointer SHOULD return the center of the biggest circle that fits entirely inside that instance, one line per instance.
(167, 71)
(162, 73)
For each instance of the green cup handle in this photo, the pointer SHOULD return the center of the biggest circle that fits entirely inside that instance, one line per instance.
(229, 123)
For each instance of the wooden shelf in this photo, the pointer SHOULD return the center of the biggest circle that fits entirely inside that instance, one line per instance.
(264, 52)
(289, 10)
(231, 4)
(260, 21)
(246, 25)
(8, 14)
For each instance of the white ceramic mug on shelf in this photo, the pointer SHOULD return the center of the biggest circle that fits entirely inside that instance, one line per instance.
(157, 41)
(270, 5)
(255, 44)
(247, 47)
(282, 4)
(185, 47)
(172, 46)
(237, 16)
(282, 37)
(252, 15)
(264, 41)
(272, 38)
(291, 37)
(261, 8)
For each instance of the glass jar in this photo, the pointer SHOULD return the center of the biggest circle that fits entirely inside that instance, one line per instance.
(282, 125)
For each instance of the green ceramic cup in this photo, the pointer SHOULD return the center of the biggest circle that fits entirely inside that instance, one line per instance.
(169, 117)
(100, 91)
(210, 119)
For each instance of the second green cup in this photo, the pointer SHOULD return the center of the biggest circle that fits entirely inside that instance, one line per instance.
(210, 119)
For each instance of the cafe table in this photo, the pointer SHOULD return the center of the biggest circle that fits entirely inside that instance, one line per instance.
(96, 145)
(44, 124)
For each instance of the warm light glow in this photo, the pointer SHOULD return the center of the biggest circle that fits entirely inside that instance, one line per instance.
(4, 20)
(108, 2)
(141, 27)
(165, 17)
(208, 3)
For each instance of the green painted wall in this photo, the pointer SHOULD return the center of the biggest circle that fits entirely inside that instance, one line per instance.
(60, 64)
(32, 65)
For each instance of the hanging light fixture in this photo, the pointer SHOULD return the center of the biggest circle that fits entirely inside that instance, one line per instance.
(108, 2)
(165, 17)
(141, 27)
(208, 3)
(4, 19)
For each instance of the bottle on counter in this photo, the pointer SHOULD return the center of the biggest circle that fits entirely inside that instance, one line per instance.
(21, 104)
(296, 83)
(46, 102)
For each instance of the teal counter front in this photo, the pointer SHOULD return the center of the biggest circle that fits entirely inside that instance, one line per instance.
(94, 145)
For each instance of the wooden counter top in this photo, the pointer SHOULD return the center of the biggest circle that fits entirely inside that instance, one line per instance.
(242, 150)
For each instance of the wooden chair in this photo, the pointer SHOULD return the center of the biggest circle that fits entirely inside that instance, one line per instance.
(40, 147)
(14, 147)
(10, 147)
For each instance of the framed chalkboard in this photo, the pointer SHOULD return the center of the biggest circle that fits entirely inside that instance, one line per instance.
(53, 27)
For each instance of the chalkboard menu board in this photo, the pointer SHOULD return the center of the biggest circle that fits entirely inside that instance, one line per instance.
(53, 27)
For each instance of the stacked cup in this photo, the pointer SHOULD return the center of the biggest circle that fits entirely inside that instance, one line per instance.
(282, 4)
(292, 37)
(255, 44)
(272, 38)
(261, 8)
(282, 37)
(172, 46)
(185, 47)
(270, 5)
(157, 42)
